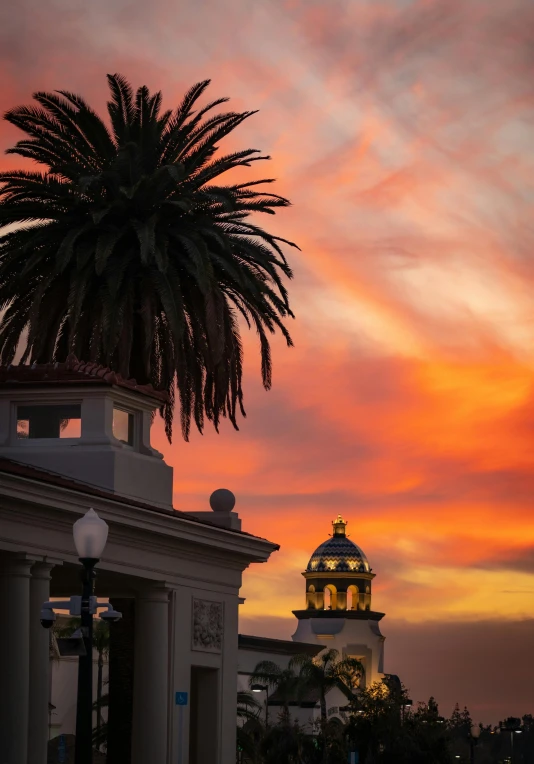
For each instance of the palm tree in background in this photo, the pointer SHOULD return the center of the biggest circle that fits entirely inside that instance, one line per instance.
(284, 681)
(325, 672)
(128, 249)
(101, 646)
(249, 727)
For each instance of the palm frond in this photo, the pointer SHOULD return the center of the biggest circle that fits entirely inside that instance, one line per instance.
(128, 248)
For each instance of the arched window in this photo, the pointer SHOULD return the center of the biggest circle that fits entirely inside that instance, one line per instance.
(330, 597)
(352, 597)
(311, 602)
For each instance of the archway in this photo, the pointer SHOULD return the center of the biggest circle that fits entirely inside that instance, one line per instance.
(311, 598)
(353, 595)
(330, 597)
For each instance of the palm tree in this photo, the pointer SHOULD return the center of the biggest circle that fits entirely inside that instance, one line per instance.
(249, 727)
(247, 706)
(284, 681)
(127, 249)
(326, 672)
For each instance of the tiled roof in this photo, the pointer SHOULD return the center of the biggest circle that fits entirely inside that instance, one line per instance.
(73, 372)
(338, 554)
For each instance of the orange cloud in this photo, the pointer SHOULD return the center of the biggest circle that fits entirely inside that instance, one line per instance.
(402, 132)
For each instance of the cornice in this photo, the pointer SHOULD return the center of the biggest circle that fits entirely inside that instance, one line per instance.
(351, 615)
(158, 530)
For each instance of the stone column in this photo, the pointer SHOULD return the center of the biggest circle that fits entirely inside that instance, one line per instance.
(15, 661)
(39, 665)
(151, 684)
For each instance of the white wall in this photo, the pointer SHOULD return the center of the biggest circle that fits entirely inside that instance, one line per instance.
(63, 691)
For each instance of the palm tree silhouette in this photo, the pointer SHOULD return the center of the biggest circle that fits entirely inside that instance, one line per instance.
(128, 249)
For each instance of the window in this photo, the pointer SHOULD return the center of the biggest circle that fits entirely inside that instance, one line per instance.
(64, 421)
(123, 426)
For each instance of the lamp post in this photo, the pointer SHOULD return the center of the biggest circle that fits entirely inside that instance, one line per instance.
(263, 688)
(512, 726)
(90, 536)
(407, 704)
(474, 735)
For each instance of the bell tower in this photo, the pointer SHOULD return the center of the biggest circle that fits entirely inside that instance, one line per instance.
(338, 576)
(338, 610)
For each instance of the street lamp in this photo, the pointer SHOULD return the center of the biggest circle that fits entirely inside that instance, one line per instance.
(512, 726)
(473, 741)
(90, 535)
(408, 703)
(263, 688)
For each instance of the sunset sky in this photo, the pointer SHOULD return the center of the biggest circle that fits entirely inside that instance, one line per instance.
(401, 130)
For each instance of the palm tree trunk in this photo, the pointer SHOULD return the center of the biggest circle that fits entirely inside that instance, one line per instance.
(323, 707)
(323, 725)
(121, 663)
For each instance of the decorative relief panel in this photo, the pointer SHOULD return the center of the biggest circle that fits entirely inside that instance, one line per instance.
(208, 626)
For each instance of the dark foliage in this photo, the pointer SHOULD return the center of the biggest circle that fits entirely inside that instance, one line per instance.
(127, 250)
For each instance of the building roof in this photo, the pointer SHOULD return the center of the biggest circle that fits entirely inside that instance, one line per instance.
(281, 646)
(18, 469)
(73, 373)
(338, 554)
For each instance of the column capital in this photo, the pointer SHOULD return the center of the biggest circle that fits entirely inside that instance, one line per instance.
(153, 594)
(42, 569)
(18, 566)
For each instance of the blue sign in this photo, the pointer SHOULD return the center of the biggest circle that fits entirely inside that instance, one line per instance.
(61, 750)
(181, 698)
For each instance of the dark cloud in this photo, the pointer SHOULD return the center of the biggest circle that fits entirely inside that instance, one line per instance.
(521, 560)
(480, 664)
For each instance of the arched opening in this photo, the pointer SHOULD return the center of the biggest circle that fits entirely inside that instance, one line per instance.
(330, 597)
(311, 600)
(353, 595)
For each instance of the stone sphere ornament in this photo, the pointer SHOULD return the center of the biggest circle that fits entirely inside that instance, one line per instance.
(222, 500)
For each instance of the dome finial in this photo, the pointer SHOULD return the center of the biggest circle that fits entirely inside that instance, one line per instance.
(339, 526)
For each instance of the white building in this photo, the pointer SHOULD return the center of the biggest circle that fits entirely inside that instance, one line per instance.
(337, 614)
(75, 436)
(338, 609)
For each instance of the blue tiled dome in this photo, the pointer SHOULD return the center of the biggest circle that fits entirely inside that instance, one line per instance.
(338, 554)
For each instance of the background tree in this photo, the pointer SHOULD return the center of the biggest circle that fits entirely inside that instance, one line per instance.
(126, 248)
(285, 682)
(325, 672)
(249, 728)
(287, 743)
(322, 674)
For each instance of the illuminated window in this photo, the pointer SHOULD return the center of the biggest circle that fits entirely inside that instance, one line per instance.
(63, 421)
(123, 426)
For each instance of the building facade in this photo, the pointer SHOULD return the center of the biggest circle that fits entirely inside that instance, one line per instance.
(75, 436)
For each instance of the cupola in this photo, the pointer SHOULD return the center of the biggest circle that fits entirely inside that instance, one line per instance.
(87, 423)
(338, 575)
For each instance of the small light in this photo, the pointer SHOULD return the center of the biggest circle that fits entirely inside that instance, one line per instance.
(90, 535)
(258, 688)
(475, 732)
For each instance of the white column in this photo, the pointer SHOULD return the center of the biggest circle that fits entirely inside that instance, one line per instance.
(39, 665)
(15, 661)
(151, 671)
